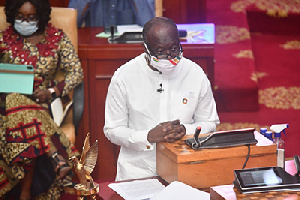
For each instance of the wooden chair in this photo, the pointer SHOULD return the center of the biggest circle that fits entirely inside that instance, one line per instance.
(158, 8)
(64, 18)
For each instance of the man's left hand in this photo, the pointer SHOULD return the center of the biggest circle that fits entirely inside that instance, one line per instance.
(175, 132)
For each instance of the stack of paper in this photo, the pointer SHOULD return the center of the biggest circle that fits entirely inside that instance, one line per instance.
(137, 190)
(152, 189)
(178, 191)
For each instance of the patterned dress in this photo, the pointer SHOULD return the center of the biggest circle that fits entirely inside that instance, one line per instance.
(27, 130)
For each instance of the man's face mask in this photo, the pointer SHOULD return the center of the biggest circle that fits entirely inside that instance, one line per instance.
(164, 65)
(26, 28)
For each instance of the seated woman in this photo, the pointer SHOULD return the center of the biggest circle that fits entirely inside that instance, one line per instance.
(33, 150)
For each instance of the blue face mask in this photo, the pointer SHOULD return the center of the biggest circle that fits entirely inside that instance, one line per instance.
(25, 28)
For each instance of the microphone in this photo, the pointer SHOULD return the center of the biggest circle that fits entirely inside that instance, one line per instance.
(160, 90)
(112, 32)
(197, 143)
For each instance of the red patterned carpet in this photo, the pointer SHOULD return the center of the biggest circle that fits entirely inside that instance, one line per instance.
(263, 62)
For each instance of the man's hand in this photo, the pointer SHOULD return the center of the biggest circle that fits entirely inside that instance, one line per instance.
(41, 96)
(166, 132)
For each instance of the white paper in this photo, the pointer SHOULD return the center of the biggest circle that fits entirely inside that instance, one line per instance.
(129, 28)
(179, 191)
(137, 190)
(58, 111)
(262, 140)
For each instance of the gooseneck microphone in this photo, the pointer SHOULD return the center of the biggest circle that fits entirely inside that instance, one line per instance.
(197, 143)
(160, 90)
(112, 33)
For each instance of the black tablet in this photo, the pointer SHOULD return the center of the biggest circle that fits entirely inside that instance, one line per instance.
(265, 179)
(223, 139)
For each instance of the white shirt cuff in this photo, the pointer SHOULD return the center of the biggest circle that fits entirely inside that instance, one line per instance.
(189, 129)
(141, 139)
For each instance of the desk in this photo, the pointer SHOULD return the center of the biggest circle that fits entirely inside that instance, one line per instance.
(99, 61)
(228, 192)
(223, 192)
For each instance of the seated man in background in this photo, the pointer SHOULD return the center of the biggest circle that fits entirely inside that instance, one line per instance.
(159, 96)
(112, 12)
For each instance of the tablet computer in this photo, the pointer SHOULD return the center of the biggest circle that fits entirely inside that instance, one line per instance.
(16, 78)
(265, 179)
(223, 139)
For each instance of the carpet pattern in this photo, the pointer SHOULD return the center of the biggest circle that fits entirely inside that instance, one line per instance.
(257, 52)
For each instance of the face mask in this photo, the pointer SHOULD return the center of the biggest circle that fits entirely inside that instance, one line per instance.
(163, 65)
(25, 28)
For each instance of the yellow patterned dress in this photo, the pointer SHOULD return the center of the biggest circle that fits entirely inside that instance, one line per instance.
(27, 130)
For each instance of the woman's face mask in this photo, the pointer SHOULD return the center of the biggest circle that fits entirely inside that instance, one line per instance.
(165, 66)
(26, 28)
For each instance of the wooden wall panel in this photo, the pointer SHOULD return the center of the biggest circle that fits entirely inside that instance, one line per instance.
(185, 11)
(59, 3)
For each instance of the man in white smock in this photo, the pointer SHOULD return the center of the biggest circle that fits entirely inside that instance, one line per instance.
(159, 96)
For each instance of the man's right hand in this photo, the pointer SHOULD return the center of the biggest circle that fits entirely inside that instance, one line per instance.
(166, 132)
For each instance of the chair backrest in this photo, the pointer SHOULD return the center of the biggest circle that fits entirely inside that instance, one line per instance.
(63, 18)
(158, 8)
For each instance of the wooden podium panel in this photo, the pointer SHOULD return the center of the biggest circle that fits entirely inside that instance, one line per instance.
(210, 167)
(99, 61)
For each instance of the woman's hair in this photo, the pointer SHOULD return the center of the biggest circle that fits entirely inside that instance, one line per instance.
(43, 11)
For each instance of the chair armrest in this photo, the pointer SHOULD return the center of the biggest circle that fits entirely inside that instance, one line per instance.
(78, 105)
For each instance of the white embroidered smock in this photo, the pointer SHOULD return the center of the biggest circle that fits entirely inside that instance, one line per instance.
(134, 106)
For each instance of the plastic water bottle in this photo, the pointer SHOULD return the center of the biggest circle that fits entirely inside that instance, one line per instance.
(280, 150)
(278, 129)
(269, 135)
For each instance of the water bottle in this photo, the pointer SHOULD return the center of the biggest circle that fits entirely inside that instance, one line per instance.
(280, 150)
(278, 129)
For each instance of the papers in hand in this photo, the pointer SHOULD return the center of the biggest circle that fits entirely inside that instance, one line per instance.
(58, 111)
(152, 189)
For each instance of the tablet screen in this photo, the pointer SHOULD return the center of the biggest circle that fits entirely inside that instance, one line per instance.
(262, 177)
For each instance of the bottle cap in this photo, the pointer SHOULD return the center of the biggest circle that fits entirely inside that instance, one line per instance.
(277, 134)
(269, 134)
(263, 130)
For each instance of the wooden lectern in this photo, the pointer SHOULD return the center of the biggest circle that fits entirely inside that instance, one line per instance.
(204, 168)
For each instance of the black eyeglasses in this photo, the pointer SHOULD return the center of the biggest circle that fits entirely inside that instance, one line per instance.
(163, 55)
(30, 18)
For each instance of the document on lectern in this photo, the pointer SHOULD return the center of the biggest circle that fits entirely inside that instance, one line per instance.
(178, 191)
(138, 189)
(152, 189)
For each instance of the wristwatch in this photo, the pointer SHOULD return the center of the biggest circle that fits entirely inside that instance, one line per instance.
(53, 93)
